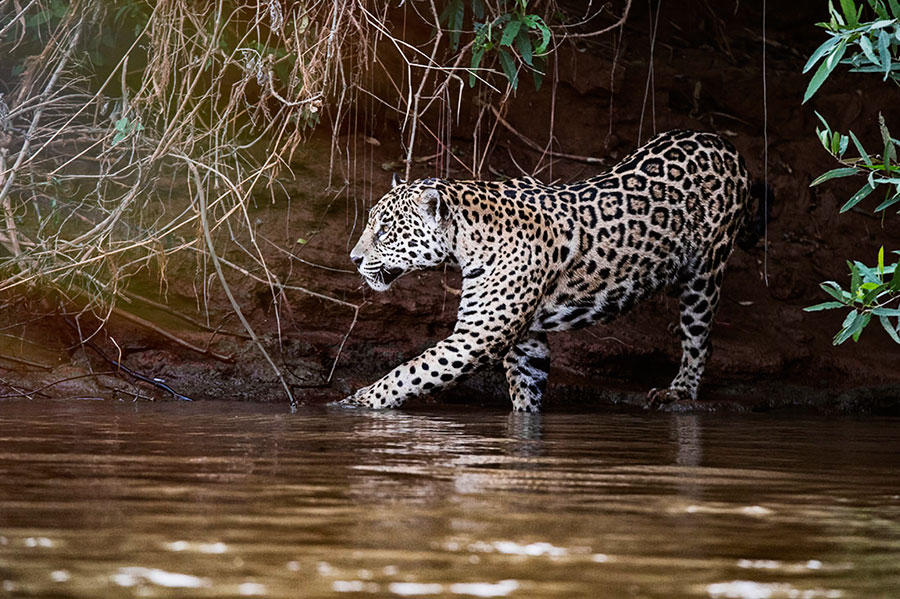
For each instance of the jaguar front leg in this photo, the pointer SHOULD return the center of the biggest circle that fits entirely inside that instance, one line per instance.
(478, 340)
(527, 364)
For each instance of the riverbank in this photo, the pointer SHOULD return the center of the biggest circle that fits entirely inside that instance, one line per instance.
(768, 353)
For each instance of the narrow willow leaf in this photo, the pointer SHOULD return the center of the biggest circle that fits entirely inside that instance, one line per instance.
(855, 280)
(859, 148)
(888, 202)
(866, 44)
(824, 70)
(886, 311)
(824, 306)
(890, 152)
(873, 294)
(881, 261)
(895, 8)
(833, 174)
(820, 52)
(849, 8)
(878, 7)
(849, 328)
(863, 322)
(891, 330)
(884, 41)
(857, 197)
(835, 291)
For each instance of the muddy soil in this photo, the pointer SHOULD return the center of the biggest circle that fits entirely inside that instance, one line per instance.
(707, 73)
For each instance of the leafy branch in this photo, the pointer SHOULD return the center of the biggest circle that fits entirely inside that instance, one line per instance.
(515, 35)
(871, 292)
(874, 47)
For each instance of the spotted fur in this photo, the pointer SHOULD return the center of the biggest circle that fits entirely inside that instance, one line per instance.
(537, 258)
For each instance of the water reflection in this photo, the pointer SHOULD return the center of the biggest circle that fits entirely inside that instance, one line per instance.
(218, 499)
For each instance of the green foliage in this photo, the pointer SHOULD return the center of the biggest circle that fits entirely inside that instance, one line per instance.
(874, 47)
(871, 291)
(514, 35)
(124, 128)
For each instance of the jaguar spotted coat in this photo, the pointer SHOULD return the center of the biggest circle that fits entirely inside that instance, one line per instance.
(537, 258)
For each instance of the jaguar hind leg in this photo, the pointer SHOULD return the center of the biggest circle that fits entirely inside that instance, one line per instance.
(527, 364)
(699, 300)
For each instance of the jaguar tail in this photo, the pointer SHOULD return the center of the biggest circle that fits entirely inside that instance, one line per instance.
(762, 196)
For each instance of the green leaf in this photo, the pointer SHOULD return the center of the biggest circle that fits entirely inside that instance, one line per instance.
(891, 330)
(545, 36)
(823, 121)
(866, 44)
(852, 324)
(873, 292)
(859, 328)
(509, 68)
(859, 148)
(890, 152)
(895, 8)
(884, 41)
(540, 66)
(888, 202)
(833, 174)
(881, 261)
(821, 51)
(510, 32)
(824, 306)
(855, 280)
(453, 15)
(857, 197)
(878, 7)
(886, 311)
(302, 241)
(849, 8)
(523, 45)
(825, 70)
(835, 291)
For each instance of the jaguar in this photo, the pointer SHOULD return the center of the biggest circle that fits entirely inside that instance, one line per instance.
(538, 258)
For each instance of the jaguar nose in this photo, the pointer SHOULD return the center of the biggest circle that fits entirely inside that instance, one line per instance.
(357, 260)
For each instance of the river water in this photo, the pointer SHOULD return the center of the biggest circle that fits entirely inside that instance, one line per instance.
(101, 499)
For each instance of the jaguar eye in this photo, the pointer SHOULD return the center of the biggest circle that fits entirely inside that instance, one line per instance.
(381, 232)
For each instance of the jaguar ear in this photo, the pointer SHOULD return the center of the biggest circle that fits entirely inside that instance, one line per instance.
(432, 207)
(396, 181)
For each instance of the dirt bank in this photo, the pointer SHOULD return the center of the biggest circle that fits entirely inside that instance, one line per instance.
(707, 74)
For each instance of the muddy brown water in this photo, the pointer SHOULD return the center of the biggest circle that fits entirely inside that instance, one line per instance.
(102, 499)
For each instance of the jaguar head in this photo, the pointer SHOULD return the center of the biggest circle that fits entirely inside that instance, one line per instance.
(406, 231)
